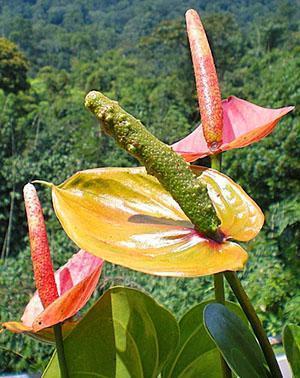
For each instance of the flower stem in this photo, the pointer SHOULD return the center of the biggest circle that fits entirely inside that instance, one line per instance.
(60, 350)
(257, 327)
(218, 277)
(216, 162)
(219, 288)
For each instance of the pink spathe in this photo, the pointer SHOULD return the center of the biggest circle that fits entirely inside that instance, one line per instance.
(76, 281)
(243, 123)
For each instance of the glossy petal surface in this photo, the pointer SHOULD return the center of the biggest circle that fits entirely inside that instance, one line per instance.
(125, 216)
(241, 218)
(76, 281)
(244, 124)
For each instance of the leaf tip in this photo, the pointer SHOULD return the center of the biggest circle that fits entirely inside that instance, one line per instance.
(42, 182)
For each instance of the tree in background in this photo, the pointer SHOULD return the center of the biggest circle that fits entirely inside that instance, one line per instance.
(13, 68)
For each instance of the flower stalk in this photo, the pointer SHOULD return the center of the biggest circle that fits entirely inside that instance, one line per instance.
(216, 162)
(60, 351)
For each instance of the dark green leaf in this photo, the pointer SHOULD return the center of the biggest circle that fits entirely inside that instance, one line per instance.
(197, 355)
(235, 341)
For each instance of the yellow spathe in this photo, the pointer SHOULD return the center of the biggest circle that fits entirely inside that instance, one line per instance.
(124, 216)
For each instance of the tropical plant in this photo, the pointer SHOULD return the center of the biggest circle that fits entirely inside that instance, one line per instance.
(167, 218)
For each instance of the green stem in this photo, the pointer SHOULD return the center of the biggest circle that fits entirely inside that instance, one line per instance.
(218, 278)
(60, 350)
(219, 288)
(257, 327)
(216, 162)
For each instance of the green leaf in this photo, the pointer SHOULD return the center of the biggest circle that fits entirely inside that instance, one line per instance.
(235, 341)
(291, 342)
(125, 334)
(197, 355)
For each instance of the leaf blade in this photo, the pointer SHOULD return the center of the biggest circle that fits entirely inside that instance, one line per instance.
(197, 354)
(119, 337)
(236, 343)
(291, 343)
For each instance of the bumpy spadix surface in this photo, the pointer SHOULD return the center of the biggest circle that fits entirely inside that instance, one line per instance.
(125, 216)
(209, 95)
(39, 247)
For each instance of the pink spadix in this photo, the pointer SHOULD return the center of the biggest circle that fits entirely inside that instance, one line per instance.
(209, 95)
(39, 246)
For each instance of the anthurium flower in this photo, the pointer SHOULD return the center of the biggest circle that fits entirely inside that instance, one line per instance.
(234, 123)
(243, 123)
(126, 217)
(61, 295)
(76, 281)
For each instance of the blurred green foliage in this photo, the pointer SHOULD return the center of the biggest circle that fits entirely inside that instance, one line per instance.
(137, 53)
(13, 68)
